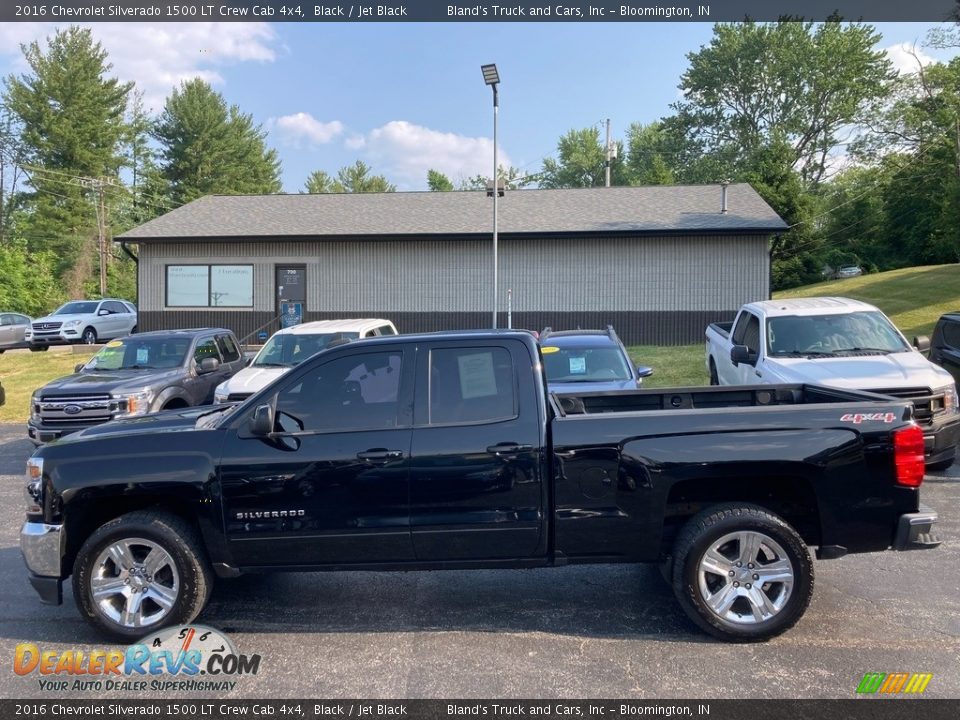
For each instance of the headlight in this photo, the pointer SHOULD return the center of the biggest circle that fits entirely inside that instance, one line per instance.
(950, 403)
(35, 405)
(133, 403)
(220, 395)
(34, 489)
(72, 323)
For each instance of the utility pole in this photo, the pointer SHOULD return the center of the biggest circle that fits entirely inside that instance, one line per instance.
(98, 185)
(607, 163)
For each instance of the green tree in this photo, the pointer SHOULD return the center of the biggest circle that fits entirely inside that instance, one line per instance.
(210, 148)
(354, 178)
(581, 162)
(29, 283)
(319, 181)
(438, 182)
(802, 84)
(510, 177)
(72, 123)
(650, 155)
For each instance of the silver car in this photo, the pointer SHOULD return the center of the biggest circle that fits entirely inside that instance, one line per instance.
(12, 329)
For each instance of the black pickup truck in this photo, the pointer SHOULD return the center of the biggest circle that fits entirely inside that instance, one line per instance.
(446, 451)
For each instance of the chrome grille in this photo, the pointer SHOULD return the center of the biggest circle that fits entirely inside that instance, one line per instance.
(926, 403)
(46, 326)
(76, 409)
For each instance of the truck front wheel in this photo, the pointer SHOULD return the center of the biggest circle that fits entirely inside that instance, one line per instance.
(741, 573)
(140, 572)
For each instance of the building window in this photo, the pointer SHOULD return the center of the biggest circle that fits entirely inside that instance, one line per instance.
(209, 286)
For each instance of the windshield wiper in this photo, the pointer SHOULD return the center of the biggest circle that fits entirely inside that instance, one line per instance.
(802, 353)
(271, 364)
(139, 367)
(885, 351)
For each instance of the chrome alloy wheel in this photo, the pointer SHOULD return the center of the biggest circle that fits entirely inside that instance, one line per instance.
(134, 582)
(745, 577)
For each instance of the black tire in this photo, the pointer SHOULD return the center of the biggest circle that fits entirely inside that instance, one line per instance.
(134, 330)
(701, 533)
(39, 348)
(178, 538)
(940, 466)
(714, 378)
(89, 336)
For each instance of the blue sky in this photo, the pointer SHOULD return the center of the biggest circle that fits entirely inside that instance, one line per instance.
(404, 97)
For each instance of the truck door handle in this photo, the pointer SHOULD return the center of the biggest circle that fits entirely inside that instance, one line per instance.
(508, 448)
(379, 454)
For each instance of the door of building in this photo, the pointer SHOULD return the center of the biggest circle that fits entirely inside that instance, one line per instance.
(291, 294)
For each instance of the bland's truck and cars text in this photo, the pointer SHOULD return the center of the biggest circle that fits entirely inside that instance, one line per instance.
(445, 450)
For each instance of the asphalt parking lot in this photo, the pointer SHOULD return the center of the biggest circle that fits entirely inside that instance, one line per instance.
(574, 632)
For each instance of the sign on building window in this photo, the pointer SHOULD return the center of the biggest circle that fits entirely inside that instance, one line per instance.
(209, 285)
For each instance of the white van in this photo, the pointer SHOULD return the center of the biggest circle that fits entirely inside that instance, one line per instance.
(291, 346)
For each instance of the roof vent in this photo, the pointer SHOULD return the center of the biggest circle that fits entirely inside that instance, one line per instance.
(723, 196)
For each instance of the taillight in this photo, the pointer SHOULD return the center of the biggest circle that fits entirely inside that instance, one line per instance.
(908, 456)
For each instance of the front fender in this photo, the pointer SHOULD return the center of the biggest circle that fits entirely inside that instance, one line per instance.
(168, 394)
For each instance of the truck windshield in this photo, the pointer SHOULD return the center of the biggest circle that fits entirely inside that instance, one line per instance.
(856, 332)
(138, 353)
(585, 364)
(289, 349)
(77, 308)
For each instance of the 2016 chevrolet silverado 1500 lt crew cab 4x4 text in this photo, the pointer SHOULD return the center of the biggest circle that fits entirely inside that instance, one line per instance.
(841, 343)
(445, 451)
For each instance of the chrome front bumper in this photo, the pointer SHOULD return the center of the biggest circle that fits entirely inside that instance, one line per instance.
(42, 548)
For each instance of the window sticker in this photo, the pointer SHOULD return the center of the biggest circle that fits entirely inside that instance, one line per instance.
(578, 366)
(477, 378)
(549, 349)
(143, 355)
(114, 343)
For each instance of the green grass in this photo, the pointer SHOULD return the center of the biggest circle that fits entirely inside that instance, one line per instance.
(912, 297)
(672, 366)
(23, 372)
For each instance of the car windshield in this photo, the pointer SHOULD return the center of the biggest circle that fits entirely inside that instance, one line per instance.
(77, 308)
(585, 364)
(833, 334)
(139, 353)
(289, 349)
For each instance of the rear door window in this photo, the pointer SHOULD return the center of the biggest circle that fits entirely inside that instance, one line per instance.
(228, 348)
(206, 348)
(471, 385)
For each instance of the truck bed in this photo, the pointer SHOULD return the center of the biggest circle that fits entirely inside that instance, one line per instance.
(721, 328)
(688, 398)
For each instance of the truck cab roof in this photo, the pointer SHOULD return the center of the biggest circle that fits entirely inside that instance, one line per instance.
(808, 306)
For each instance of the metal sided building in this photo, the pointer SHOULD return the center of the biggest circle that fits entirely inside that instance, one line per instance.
(658, 263)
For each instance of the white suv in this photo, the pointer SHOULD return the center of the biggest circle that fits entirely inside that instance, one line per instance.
(87, 321)
(291, 346)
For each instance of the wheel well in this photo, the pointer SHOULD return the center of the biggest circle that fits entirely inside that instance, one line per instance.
(90, 517)
(792, 498)
(174, 403)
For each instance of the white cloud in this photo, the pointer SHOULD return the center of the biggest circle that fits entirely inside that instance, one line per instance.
(404, 152)
(355, 142)
(303, 126)
(159, 56)
(905, 57)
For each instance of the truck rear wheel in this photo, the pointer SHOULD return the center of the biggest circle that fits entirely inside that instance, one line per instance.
(741, 573)
(140, 572)
(714, 378)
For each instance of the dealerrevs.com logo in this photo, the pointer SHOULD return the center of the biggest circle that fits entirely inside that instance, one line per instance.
(185, 658)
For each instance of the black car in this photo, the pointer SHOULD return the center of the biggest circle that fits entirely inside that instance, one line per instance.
(136, 375)
(945, 345)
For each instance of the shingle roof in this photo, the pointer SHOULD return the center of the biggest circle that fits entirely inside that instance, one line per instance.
(649, 209)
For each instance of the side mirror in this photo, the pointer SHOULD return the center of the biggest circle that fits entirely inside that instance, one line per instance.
(207, 365)
(78, 367)
(921, 343)
(644, 371)
(741, 354)
(261, 424)
(101, 312)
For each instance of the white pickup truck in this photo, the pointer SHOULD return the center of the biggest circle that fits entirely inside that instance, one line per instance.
(838, 343)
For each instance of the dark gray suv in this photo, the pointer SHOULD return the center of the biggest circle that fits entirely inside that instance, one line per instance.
(136, 375)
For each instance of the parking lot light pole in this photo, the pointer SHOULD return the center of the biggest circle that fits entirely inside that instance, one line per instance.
(492, 78)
